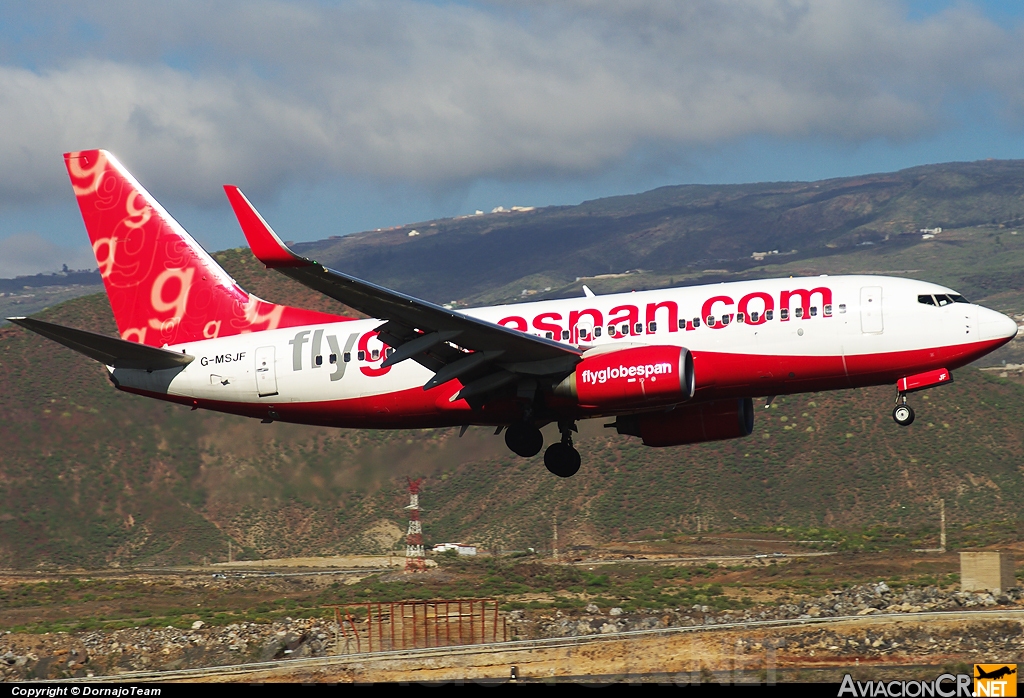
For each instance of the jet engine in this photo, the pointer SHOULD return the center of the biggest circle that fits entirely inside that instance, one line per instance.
(690, 424)
(633, 376)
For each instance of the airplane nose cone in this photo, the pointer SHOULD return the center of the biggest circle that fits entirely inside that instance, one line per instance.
(993, 325)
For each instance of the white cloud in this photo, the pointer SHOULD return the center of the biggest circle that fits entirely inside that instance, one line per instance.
(24, 254)
(440, 95)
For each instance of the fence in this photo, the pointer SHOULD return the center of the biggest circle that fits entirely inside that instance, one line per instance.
(374, 627)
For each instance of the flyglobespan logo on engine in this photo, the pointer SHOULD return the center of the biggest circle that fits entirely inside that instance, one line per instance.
(634, 372)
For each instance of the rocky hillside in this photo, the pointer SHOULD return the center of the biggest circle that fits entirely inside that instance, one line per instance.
(92, 477)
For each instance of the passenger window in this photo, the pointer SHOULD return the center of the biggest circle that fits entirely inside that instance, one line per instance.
(347, 357)
(753, 316)
(597, 331)
(389, 351)
(696, 322)
(375, 354)
(565, 334)
(799, 312)
(362, 355)
(682, 324)
(739, 317)
(652, 326)
(639, 328)
(768, 314)
(710, 319)
(611, 330)
(725, 319)
(333, 359)
(842, 308)
(784, 313)
(814, 311)
(926, 300)
(319, 361)
(625, 330)
(548, 335)
(828, 310)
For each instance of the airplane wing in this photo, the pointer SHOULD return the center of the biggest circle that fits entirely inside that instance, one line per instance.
(482, 354)
(110, 351)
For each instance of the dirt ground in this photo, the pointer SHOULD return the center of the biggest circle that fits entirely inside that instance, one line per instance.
(346, 562)
(920, 647)
(770, 572)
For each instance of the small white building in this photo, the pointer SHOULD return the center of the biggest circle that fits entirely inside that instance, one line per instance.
(460, 548)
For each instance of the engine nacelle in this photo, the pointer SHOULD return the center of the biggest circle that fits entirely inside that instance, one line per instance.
(691, 424)
(633, 376)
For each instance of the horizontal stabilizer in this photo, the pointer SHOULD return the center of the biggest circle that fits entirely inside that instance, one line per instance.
(110, 351)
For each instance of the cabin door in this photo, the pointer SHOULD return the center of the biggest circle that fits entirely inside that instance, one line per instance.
(871, 310)
(266, 375)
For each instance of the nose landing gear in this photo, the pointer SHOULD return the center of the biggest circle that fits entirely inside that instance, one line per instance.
(902, 413)
(562, 458)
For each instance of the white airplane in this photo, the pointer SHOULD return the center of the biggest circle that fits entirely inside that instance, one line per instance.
(672, 366)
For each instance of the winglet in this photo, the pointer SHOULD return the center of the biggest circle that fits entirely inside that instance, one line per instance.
(262, 239)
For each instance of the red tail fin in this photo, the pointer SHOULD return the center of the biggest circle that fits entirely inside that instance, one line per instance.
(163, 287)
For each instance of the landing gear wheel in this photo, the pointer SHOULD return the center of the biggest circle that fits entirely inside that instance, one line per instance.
(562, 459)
(524, 439)
(903, 415)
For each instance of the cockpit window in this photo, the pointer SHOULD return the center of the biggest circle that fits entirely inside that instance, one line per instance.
(943, 299)
(958, 299)
(927, 300)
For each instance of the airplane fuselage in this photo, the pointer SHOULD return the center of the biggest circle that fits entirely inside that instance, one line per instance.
(748, 339)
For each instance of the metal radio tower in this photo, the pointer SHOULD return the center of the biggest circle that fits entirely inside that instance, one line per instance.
(415, 560)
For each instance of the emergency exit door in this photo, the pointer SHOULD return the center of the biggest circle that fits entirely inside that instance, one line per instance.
(871, 310)
(266, 375)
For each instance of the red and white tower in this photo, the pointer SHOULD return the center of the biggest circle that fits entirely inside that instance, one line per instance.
(415, 561)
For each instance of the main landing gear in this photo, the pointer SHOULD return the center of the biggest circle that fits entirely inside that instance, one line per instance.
(562, 458)
(902, 413)
(524, 439)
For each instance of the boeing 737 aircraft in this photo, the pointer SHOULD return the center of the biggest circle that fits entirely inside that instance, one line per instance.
(670, 366)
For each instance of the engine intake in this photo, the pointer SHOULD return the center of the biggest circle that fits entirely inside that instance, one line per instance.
(637, 375)
(691, 424)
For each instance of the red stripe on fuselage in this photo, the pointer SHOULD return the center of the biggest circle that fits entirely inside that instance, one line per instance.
(719, 375)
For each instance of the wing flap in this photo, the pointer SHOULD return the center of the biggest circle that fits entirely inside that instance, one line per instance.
(110, 351)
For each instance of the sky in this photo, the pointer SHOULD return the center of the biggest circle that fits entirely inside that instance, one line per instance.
(338, 117)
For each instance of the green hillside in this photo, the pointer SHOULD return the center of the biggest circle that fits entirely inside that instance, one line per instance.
(91, 477)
